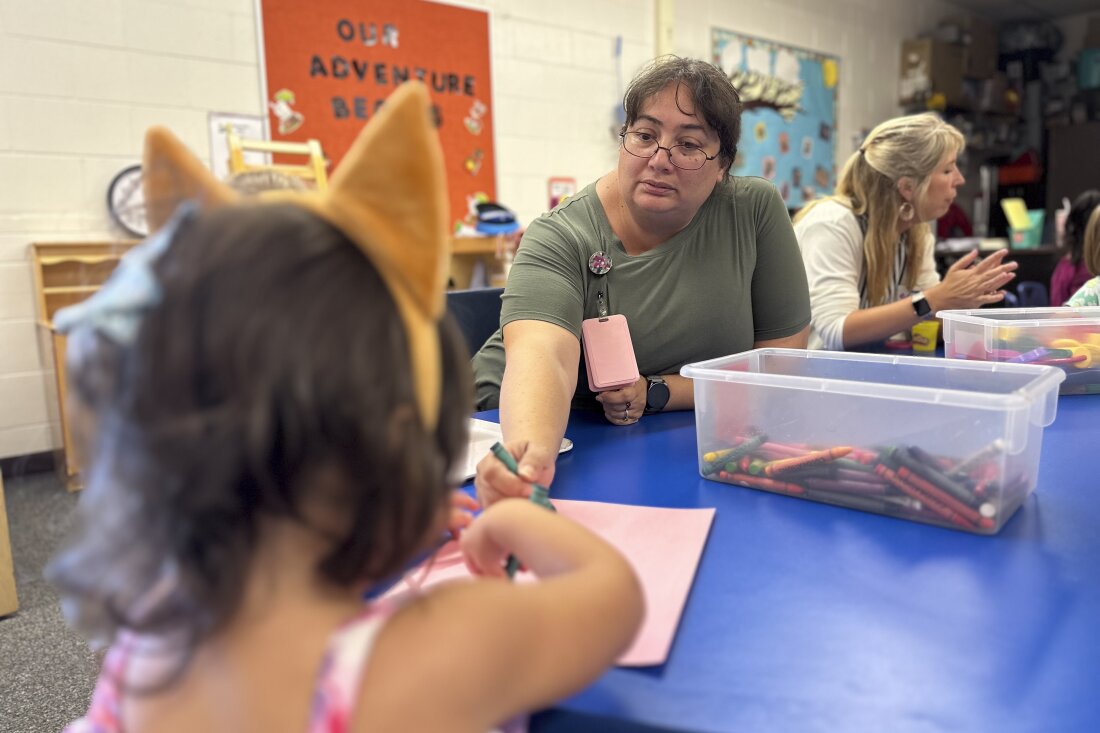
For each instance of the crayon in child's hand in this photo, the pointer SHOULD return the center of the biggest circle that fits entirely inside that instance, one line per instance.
(539, 495)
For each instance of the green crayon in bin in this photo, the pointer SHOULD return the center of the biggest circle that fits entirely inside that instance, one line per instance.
(713, 462)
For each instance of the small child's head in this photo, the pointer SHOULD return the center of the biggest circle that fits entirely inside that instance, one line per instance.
(1076, 221)
(1091, 246)
(285, 360)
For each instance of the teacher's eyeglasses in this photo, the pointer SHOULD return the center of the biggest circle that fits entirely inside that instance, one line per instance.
(685, 156)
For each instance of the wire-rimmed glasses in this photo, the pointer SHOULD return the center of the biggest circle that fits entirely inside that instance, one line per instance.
(684, 156)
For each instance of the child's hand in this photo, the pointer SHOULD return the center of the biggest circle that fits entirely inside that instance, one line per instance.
(483, 555)
(463, 507)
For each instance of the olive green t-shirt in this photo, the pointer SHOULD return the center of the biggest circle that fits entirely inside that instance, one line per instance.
(733, 276)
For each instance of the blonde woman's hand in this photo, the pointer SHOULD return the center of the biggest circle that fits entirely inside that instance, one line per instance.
(967, 285)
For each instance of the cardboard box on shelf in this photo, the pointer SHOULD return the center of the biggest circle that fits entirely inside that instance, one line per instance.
(978, 38)
(931, 67)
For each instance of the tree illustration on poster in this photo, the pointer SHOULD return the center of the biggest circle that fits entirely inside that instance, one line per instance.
(330, 64)
(789, 123)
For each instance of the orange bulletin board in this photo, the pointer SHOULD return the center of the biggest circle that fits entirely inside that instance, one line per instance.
(329, 64)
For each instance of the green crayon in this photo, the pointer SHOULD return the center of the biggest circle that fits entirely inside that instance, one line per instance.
(539, 495)
(731, 455)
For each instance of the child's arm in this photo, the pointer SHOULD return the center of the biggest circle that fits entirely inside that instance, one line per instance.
(490, 649)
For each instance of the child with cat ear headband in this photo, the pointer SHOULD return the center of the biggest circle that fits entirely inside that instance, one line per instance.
(279, 400)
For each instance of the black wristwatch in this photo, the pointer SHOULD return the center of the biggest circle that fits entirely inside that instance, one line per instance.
(656, 394)
(921, 306)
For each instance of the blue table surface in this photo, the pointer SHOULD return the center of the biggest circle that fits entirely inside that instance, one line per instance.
(810, 617)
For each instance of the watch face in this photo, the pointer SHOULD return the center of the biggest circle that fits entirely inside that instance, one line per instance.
(126, 202)
(657, 395)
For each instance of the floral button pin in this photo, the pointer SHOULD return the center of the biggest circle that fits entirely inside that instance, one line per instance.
(599, 263)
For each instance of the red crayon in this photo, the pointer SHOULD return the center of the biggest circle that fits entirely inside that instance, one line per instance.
(788, 451)
(821, 456)
(924, 498)
(865, 457)
(759, 482)
(950, 501)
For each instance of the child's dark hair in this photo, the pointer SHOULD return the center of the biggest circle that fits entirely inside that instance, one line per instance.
(272, 380)
(1077, 220)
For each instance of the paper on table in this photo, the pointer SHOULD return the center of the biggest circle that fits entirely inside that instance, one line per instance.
(482, 436)
(663, 546)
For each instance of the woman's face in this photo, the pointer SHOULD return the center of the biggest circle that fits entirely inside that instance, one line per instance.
(654, 185)
(942, 188)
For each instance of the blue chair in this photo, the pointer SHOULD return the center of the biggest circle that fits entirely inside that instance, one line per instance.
(477, 312)
(1010, 301)
(1032, 294)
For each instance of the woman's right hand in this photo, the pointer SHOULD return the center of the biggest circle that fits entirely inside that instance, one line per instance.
(967, 285)
(495, 482)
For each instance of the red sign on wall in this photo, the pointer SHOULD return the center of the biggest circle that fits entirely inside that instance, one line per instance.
(329, 65)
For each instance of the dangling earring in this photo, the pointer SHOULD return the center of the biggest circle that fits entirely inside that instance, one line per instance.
(906, 212)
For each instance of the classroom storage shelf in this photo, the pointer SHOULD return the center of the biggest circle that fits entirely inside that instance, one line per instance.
(66, 273)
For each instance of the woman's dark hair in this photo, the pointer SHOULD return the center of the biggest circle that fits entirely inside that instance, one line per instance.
(716, 100)
(271, 381)
(1077, 220)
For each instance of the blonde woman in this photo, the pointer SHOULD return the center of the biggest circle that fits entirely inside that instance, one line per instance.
(868, 248)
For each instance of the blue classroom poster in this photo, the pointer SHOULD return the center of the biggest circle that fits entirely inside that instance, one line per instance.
(789, 123)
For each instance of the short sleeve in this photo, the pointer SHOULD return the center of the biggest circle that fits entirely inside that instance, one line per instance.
(544, 283)
(780, 298)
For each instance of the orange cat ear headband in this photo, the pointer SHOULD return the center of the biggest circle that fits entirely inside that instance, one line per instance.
(388, 196)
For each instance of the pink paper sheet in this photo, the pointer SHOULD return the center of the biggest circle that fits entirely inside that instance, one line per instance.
(663, 545)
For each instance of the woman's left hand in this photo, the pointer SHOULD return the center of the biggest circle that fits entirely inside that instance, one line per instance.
(624, 406)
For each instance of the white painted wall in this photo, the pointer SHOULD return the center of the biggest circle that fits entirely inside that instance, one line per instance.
(80, 80)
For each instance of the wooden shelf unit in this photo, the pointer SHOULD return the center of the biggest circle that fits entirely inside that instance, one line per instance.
(66, 273)
(466, 252)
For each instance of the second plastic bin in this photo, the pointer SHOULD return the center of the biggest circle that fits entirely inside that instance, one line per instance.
(953, 443)
(1068, 338)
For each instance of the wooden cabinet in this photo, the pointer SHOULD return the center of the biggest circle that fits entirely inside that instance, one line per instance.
(493, 252)
(9, 601)
(67, 273)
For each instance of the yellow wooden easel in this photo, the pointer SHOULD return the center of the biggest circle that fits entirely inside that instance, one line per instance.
(313, 170)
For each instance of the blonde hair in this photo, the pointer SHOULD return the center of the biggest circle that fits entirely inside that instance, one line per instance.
(904, 147)
(1092, 243)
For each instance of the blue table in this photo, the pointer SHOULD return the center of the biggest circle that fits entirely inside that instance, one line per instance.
(807, 617)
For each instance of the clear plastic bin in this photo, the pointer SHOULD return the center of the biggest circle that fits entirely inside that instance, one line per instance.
(1068, 338)
(947, 442)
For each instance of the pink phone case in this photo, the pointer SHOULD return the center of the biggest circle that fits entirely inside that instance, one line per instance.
(608, 353)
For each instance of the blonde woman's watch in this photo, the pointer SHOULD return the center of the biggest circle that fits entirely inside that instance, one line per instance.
(921, 306)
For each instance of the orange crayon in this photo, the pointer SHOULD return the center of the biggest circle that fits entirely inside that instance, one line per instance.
(819, 456)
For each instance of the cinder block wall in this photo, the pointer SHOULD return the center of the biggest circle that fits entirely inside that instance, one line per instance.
(80, 81)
